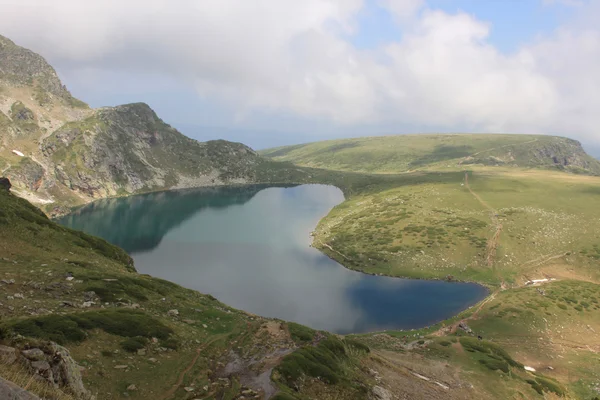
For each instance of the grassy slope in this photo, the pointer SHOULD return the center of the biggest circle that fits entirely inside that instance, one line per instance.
(38, 253)
(401, 153)
(435, 224)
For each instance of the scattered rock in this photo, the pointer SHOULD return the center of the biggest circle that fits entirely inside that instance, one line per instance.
(121, 366)
(87, 304)
(141, 352)
(379, 393)
(132, 388)
(153, 360)
(40, 366)
(188, 389)
(90, 296)
(173, 313)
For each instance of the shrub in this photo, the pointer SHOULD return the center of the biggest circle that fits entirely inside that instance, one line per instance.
(550, 385)
(170, 343)
(71, 328)
(445, 343)
(494, 364)
(300, 333)
(323, 361)
(357, 345)
(490, 349)
(134, 344)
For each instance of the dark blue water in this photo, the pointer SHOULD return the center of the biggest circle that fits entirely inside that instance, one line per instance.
(249, 247)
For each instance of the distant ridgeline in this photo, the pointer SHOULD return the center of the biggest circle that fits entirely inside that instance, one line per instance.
(404, 153)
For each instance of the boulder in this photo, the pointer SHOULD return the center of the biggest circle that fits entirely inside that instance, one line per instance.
(5, 184)
(40, 366)
(8, 355)
(173, 313)
(34, 354)
(9, 390)
(379, 393)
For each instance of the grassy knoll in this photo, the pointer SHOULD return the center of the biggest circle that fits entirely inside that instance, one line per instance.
(436, 227)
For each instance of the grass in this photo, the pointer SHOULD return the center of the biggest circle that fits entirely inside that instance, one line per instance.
(427, 225)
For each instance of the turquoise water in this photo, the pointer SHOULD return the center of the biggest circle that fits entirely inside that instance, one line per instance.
(250, 248)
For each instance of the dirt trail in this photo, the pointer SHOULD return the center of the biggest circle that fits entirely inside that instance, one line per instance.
(183, 373)
(492, 244)
(447, 330)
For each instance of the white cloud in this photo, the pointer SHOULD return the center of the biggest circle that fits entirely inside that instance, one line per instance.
(295, 57)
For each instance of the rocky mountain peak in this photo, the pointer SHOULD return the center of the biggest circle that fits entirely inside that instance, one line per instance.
(22, 67)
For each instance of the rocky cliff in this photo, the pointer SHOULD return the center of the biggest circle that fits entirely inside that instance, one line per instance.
(58, 152)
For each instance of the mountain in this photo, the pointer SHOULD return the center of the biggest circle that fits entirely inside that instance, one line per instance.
(402, 153)
(58, 152)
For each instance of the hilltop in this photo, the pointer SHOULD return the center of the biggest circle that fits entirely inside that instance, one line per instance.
(403, 153)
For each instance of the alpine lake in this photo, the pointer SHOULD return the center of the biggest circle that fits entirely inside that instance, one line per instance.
(249, 246)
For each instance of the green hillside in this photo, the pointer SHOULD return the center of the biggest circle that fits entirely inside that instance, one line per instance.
(65, 288)
(402, 153)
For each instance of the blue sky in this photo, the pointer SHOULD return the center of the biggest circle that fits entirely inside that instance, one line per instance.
(271, 72)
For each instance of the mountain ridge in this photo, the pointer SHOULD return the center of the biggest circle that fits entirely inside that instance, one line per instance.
(404, 153)
(60, 153)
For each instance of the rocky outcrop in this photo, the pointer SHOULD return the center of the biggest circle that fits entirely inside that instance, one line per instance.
(27, 174)
(51, 363)
(128, 149)
(24, 68)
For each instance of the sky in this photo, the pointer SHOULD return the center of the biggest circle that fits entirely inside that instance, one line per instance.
(275, 72)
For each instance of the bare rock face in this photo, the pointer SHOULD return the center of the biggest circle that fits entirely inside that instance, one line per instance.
(22, 66)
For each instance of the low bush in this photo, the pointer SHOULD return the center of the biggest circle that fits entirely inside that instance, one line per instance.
(550, 385)
(323, 361)
(494, 364)
(72, 328)
(300, 333)
(357, 345)
(134, 344)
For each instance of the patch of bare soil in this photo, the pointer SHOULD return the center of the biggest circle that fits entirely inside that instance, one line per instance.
(253, 368)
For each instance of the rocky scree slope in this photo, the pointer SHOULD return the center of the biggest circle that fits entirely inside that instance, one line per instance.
(59, 153)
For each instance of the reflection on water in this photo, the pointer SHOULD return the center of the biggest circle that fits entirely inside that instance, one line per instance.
(249, 247)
